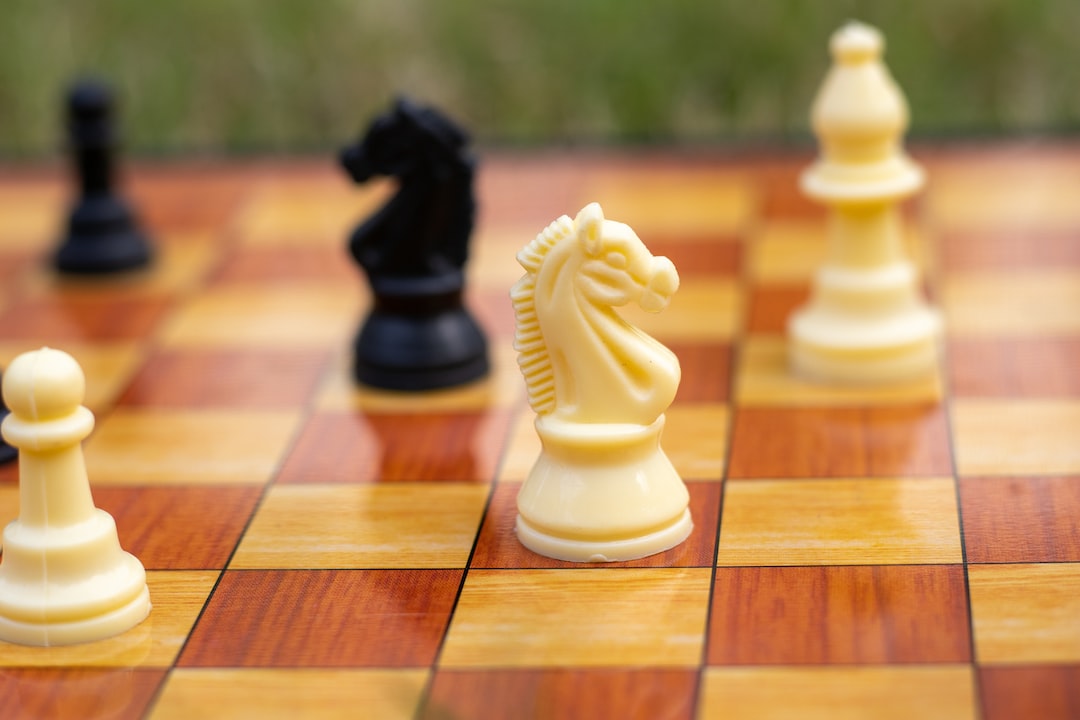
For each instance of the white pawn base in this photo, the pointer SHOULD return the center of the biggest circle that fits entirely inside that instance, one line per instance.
(864, 328)
(602, 493)
(63, 586)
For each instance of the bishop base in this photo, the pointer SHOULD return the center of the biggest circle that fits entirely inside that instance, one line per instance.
(864, 326)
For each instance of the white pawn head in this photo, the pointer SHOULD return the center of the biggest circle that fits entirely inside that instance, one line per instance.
(45, 384)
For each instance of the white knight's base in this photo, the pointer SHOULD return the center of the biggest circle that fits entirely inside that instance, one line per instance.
(576, 550)
(601, 493)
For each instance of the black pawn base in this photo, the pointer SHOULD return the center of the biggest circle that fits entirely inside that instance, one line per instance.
(102, 238)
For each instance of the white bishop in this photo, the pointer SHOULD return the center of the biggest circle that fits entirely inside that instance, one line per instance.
(866, 321)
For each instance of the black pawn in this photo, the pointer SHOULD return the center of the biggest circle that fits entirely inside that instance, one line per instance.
(419, 335)
(102, 233)
(7, 453)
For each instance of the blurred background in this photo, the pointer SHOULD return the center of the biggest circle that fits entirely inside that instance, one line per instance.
(304, 76)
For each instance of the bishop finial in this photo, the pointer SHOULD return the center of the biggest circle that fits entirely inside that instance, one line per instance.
(856, 42)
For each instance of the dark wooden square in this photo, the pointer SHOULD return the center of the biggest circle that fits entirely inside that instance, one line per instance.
(772, 305)
(179, 527)
(1021, 519)
(388, 447)
(179, 198)
(1046, 692)
(77, 692)
(1015, 367)
(265, 378)
(289, 263)
(900, 441)
(781, 196)
(1019, 246)
(706, 371)
(582, 694)
(324, 618)
(83, 315)
(839, 615)
(701, 257)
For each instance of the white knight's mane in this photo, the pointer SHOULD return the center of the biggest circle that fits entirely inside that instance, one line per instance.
(533, 357)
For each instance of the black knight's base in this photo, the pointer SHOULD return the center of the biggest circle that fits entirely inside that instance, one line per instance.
(419, 336)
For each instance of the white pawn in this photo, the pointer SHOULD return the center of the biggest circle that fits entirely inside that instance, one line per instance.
(64, 578)
(866, 321)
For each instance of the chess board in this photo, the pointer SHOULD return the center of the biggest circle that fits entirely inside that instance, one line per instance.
(319, 550)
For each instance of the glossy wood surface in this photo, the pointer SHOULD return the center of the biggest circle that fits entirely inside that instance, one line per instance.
(320, 550)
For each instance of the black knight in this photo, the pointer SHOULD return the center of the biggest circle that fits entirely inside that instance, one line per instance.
(418, 335)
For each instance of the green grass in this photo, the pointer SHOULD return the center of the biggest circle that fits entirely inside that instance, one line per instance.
(210, 76)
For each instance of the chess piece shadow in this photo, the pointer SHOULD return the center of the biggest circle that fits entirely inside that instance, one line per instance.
(102, 693)
(418, 335)
(102, 233)
(7, 452)
(451, 461)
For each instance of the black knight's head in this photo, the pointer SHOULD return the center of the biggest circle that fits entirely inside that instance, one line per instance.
(406, 140)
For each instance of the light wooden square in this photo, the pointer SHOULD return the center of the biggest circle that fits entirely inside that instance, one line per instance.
(675, 202)
(279, 316)
(290, 693)
(33, 215)
(1020, 303)
(493, 257)
(160, 447)
(763, 378)
(881, 521)
(1016, 437)
(1026, 613)
(307, 209)
(177, 598)
(396, 525)
(522, 448)
(9, 503)
(581, 617)
(1010, 194)
(792, 251)
(787, 251)
(934, 692)
(694, 439)
(701, 310)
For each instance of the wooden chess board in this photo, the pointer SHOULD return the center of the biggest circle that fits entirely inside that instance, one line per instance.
(317, 550)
